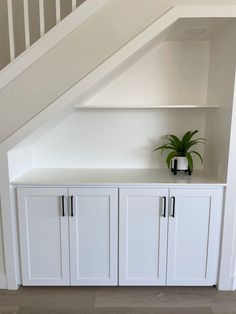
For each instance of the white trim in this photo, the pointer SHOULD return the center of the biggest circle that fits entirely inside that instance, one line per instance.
(3, 281)
(49, 40)
(74, 5)
(147, 106)
(11, 30)
(41, 18)
(63, 106)
(206, 11)
(9, 226)
(26, 23)
(58, 11)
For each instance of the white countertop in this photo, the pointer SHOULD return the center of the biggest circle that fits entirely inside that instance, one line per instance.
(118, 177)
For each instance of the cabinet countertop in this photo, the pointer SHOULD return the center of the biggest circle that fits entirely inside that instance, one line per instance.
(117, 177)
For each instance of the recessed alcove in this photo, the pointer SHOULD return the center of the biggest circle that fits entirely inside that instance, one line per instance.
(183, 83)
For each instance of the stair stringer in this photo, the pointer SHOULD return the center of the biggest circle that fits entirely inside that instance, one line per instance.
(63, 107)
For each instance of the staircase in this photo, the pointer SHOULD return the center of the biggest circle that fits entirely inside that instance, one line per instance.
(67, 53)
(23, 22)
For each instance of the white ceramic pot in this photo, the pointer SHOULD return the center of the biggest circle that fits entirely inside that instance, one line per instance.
(182, 163)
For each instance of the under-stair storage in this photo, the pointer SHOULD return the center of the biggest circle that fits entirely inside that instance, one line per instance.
(98, 206)
(167, 236)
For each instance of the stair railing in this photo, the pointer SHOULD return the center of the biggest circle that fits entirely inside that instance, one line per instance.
(41, 4)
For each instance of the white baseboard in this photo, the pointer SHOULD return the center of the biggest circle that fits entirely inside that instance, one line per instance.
(3, 281)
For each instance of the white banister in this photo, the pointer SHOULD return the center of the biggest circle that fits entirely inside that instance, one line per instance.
(58, 11)
(26, 23)
(45, 20)
(74, 5)
(11, 30)
(41, 17)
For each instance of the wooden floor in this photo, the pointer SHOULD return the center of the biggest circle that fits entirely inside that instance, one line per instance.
(120, 300)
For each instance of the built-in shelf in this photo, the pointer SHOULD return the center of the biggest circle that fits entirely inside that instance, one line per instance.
(118, 177)
(149, 107)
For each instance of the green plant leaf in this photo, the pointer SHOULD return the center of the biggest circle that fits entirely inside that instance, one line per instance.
(195, 142)
(174, 140)
(163, 147)
(196, 153)
(187, 141)
(193, 133)
(190, 161)
(170, 156)
(187, 137)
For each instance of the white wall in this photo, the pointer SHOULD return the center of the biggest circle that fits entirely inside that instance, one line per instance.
(220, 91)
(19, 160)
(113, 138)
(173, 73)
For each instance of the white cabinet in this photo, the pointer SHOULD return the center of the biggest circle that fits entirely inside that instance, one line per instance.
(143, 236)
(167, 236)
(43, 236)
(192, 237)
(68, 236)
(93, 236)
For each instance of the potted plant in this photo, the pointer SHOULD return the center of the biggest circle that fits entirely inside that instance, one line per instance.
(179, 157)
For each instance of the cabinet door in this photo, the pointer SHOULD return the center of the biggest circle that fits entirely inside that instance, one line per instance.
(143, 236)
(93, 236)
(44, 237)
(193, 238)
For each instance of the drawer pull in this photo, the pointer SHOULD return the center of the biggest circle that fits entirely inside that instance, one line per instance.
(164, 206)
(72, 206)
(173, 207)
(63, 206)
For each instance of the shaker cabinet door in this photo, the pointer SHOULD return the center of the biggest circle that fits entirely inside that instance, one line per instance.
(193, 236)
(93, 236)
(44, 243)
(143, 236)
